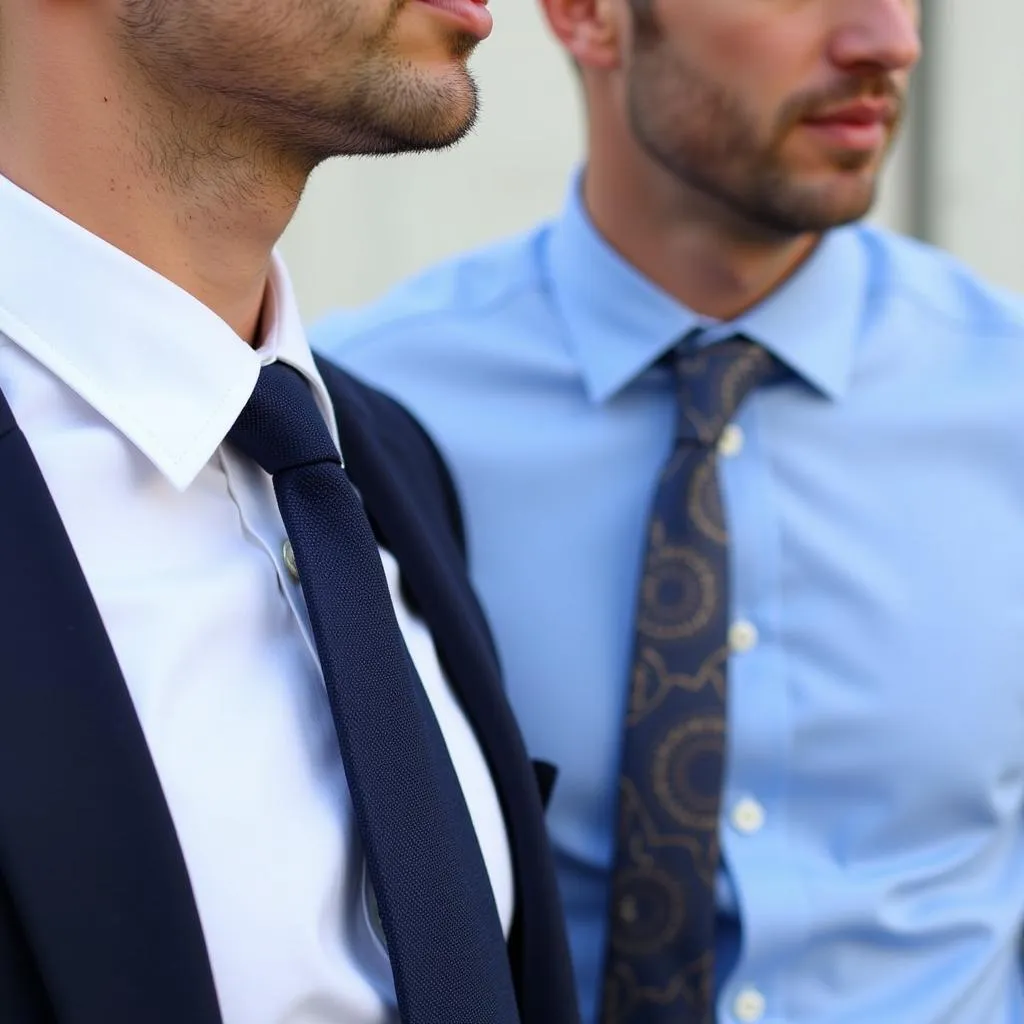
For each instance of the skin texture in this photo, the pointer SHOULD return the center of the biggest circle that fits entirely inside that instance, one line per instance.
(299, 81)
(703, 169)
(183, 131)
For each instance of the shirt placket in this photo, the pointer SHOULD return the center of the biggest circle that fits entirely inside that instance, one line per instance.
(253, 494)
(754, 830)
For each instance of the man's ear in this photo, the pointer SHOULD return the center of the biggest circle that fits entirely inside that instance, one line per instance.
(590, 30)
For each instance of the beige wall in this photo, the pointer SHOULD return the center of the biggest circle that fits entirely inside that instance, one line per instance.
(977, 153)
(366, 223)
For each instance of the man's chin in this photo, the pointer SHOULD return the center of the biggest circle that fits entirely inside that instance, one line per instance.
(827, 214)
(832, 196)
(852, 198)
(789, 209)
(433, 128)
(394, 143)
(396, 113)
(411, 139)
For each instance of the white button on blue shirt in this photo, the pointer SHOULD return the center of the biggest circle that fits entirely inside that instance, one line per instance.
(743, 636)
(749, 1006)
(747, 816)
(731, 441)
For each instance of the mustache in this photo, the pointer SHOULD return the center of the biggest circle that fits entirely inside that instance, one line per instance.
(878, 87)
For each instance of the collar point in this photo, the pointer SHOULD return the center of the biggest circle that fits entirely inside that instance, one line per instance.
(183, 473)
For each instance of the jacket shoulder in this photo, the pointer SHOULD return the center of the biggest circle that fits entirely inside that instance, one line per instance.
(416, 457)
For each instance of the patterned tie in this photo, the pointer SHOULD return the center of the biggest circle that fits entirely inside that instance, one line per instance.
(436, 906)
(660, 959)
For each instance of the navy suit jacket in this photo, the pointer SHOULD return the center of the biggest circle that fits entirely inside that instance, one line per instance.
(97, 919)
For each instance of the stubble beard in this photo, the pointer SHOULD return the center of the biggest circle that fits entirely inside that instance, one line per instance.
(241, 117)
(704, 136)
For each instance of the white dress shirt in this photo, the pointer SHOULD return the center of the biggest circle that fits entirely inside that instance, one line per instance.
(126, 387)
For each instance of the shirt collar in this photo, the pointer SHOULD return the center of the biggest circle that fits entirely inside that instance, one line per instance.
(620, 323)
(157, 364)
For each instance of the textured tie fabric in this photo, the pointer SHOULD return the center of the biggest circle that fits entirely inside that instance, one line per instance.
(660, 958)
(436, 905)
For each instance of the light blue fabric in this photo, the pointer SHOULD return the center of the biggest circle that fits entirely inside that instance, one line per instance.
(876, 513)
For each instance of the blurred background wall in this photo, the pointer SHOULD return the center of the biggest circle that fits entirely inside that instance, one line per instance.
(957, 178)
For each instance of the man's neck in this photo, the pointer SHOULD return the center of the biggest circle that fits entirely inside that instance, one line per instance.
(688, 245)
(206, 217)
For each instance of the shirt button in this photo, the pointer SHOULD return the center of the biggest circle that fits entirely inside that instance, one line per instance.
(742, 637)
(288, 554)
(749, 1006)
(731, 441)
(748, 816)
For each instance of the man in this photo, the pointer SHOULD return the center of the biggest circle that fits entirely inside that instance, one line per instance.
(254, 769)
(825, 681)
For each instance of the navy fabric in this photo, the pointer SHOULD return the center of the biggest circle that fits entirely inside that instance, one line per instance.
(660, 962)
(97, 919)
(436, 904)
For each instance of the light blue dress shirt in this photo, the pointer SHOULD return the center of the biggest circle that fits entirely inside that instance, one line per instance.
(872, 824)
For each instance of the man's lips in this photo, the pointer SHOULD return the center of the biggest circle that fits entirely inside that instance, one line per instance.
(471, 15)
(864, 125)
(863, 112)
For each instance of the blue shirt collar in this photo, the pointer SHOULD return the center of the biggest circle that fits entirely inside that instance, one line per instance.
(620, 323)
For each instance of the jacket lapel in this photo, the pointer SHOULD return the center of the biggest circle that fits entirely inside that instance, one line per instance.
(88, 850)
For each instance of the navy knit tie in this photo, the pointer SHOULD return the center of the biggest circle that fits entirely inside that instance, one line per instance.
(436, 905)
(660, 959)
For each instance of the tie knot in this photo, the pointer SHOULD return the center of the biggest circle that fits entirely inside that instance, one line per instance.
(712, 383)
(281, 426)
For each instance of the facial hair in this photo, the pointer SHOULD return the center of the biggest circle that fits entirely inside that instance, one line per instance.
(233, 89)
(711, 141)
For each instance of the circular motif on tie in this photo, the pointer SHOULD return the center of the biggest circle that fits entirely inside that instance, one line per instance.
(649, 909)
(705, 502)
(688, 772)
(678, 594)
